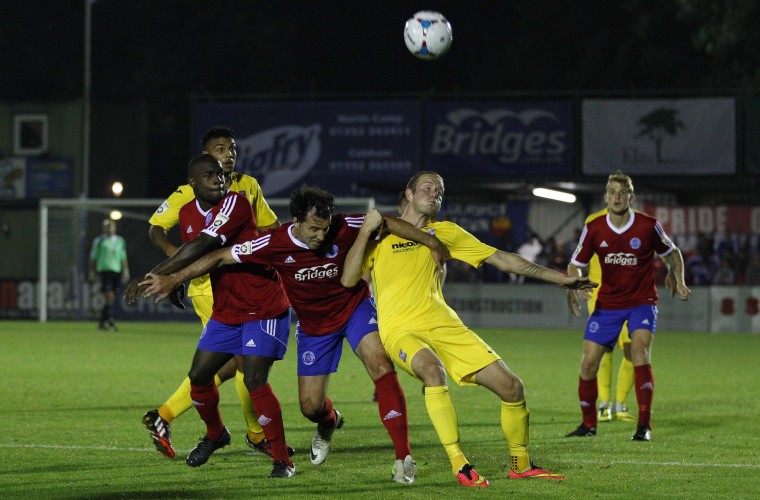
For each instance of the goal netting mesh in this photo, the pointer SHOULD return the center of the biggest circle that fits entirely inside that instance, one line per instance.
(67, 229)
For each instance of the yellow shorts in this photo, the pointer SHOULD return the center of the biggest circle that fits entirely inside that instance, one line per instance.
(462, 352)
(624, 337)
(203, 306)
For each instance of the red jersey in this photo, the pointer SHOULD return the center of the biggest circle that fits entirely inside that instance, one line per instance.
(627, 258)
(241, 293)
(311, 277)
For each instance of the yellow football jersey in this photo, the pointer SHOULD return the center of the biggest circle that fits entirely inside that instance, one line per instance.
(407, 284)
(167, 216)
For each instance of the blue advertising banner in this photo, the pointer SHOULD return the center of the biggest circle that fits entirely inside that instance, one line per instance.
(338, 145)
(48, 178)
(483, 138)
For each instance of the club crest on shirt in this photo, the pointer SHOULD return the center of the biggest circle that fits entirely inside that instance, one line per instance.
(635, 243)
(208, 219)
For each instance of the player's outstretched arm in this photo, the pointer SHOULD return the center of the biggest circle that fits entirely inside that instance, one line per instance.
(403, 229)
(160, 240)
(575, 296)
(675, 279)
(162, 285)
(187, 253)
(352, 267)
(512, 263)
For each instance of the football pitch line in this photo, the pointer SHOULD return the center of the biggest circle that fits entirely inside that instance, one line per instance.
(591, 462)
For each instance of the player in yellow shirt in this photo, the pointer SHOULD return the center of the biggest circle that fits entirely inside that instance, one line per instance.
(426, 338)
(607, 410)
(220, 143)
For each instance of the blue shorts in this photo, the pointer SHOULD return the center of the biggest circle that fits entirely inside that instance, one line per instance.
(320, 355)
(604, 325)
(267, 338)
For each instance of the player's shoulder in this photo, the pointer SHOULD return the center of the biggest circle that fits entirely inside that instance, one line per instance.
(246, 180)
(183, 192)
(596, 215)
(350, 220)
(645, 218)
(442, 226)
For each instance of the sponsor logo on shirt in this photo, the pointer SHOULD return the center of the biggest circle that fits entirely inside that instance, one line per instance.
(327, 271)
(405, 246)
(621, 259)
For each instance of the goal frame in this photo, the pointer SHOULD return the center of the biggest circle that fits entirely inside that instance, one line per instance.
(279, 205)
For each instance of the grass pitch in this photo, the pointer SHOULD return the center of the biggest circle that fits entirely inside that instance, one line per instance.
(73, 397)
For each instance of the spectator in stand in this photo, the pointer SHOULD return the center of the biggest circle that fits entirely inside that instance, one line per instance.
(724, 275)
(752, 274)
(530, 250)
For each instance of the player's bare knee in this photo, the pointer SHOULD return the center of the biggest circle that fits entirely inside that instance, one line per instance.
(199, 376)
(255, 380)
(431, 374)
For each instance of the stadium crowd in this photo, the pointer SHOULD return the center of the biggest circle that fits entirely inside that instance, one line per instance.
(713, 260)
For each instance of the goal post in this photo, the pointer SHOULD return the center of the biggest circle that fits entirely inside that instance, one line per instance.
(67, 228)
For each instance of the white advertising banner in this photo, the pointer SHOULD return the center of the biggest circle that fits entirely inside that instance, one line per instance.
(709, 309)
(659, 137)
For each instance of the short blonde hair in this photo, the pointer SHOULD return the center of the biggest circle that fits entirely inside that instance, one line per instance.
(621, 179)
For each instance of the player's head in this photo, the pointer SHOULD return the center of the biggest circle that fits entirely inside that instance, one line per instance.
(109, 227)
(425, 192)
(204, 174)
(220, 142)
(618, 194)
(311, 209)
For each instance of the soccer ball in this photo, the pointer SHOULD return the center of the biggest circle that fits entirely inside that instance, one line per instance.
(427, 35)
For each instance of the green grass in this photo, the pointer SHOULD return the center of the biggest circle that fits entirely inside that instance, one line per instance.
(73, 398)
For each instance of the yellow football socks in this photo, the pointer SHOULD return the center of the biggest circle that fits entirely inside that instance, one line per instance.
(442, 413)
(604, 378)
(179, 402)
(515, 425)
(624, 381)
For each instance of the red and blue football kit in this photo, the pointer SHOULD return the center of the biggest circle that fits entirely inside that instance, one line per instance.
(626, 256)
(242, 294)
(312, 282)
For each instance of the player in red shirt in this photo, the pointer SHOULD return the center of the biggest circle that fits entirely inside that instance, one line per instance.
(250, 318)
(626, 243)
(309, 254)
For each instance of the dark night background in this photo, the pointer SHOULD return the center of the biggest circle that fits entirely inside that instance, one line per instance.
(164, 55)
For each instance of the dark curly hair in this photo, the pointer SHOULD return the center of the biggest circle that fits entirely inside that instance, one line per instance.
(311, 199)
(215, 132)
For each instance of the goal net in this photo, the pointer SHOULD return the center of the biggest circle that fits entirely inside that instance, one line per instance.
(67, 230)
